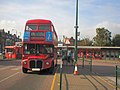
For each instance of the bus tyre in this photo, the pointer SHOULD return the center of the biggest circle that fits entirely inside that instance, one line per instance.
(24, 70)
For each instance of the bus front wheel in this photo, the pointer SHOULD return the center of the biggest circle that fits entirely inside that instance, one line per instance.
(24, 70)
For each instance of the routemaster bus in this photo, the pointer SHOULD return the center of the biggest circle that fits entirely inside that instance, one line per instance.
(39, 46)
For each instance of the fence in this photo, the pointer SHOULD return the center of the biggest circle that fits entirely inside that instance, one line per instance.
(117, 77)
(87, 63)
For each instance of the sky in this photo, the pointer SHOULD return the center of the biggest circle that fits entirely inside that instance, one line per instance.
(92, 14)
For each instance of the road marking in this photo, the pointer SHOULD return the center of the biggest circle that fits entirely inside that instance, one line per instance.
(103, 79)
(16, 68)
(6, 67)
(9, 77)
(53, 82)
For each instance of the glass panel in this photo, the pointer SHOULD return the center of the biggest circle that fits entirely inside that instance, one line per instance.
(37, 49)
(44, 27)
(31, 27)
(28, 48)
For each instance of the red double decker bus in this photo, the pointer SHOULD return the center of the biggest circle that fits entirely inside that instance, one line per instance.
(39, 43)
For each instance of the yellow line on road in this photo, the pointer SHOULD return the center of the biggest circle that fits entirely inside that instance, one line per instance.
(53, 82)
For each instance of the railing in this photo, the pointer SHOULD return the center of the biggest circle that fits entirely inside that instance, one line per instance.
(117, 77)
(87, 62)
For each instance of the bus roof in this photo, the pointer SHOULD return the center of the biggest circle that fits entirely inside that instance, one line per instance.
(37, 21)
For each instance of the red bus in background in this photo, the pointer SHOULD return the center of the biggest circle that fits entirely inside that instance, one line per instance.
(39, 43)
(13, 52)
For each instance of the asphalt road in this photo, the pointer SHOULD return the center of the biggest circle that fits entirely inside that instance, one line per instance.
(12, 78)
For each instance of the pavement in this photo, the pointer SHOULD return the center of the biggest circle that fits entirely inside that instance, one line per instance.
(85, 80)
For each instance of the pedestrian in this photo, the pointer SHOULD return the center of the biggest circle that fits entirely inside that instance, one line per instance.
(71, 57)
(3, 54)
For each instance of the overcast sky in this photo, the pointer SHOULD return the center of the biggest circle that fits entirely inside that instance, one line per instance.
(92, 14)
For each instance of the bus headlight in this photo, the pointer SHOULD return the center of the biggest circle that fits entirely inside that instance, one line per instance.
(47, 63)
(25, 62)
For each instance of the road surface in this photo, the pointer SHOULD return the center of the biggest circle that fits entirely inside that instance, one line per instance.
(12, 78)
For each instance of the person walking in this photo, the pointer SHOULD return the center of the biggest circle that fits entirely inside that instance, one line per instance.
(71, 57)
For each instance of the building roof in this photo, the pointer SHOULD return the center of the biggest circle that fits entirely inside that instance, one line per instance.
(90, 47)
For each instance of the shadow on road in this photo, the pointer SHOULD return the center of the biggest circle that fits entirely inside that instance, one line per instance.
(99, 69)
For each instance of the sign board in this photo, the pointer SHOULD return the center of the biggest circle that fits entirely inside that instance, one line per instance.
(78, 33)
(60, 44)
(49, 36)
(26, 35)
(67, 41)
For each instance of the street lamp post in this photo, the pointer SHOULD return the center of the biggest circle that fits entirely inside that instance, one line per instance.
(76, 29)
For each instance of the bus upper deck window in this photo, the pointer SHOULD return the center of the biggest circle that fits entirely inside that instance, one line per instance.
(31, 27)
(44, 27)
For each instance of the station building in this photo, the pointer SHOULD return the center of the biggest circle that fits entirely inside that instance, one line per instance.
(96, 53)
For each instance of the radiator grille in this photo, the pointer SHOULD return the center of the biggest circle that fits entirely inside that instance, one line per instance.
(35, 64)
(32, 64)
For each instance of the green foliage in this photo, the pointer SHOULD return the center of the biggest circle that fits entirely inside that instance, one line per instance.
(116, 40)
(85, 42)
(103, 37)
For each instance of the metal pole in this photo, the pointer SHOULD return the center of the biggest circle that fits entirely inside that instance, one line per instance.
(91, 64)
(116, 78)
(61, 75)
(67, 54)
(83, 62)
(76, 29)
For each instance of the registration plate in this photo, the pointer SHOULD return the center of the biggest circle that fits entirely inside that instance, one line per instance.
(35, 69)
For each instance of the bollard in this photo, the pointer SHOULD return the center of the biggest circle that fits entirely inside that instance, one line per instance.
(91, 65)
(83, 62)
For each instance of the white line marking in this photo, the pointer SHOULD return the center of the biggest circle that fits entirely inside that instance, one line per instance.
(17, 68)
(8, 77)
(6, 67)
